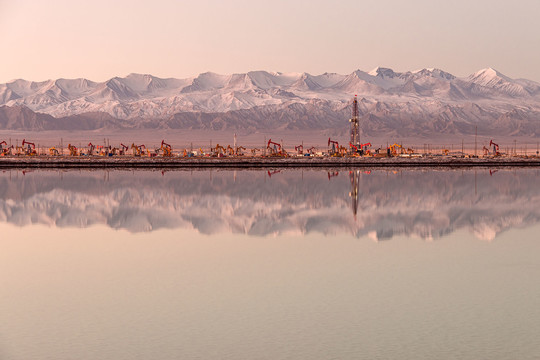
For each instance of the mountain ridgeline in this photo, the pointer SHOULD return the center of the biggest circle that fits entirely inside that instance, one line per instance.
(419, 103)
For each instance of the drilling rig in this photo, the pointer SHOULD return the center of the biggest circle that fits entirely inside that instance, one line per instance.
(354, 144)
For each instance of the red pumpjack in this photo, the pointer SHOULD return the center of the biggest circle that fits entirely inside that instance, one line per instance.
(276, 150)
(124, 149)
(335, 145)
(495, 148)
(91, 148)
(31, 147)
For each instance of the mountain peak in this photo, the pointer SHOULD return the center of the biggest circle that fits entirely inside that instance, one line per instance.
(146, 96)
(434, 72)
(382, 72)
(489, 74)
(139, 76)
(492, 79)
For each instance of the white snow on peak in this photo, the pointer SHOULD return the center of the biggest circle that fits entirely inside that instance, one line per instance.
(374, 72)
(434, 73)
(145, 95)
(488, 74)
(493, 80)
(383, 72)
(266, 80)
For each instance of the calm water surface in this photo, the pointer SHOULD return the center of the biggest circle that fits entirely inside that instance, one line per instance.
(411, 264)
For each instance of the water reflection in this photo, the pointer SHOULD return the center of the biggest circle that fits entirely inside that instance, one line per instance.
(380, 204)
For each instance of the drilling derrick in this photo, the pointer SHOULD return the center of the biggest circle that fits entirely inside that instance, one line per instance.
(355, 132)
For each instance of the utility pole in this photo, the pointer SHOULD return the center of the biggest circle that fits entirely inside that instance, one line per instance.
(475, 139)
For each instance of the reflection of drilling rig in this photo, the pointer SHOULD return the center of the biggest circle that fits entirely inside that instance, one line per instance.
(355, 190)
(332, 174)
(355, 131)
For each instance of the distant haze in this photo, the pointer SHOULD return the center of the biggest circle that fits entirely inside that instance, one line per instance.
(101, 39)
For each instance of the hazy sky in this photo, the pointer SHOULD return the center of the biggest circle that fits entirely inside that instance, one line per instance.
(172, 38)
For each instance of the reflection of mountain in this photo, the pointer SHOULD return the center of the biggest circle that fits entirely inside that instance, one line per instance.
(427, 204)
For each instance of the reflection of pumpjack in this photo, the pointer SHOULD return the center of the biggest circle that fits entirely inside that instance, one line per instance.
(273, 173)
(355, 190)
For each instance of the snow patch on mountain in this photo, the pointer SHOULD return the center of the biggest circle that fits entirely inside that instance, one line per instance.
(492, 79)
(427, 96)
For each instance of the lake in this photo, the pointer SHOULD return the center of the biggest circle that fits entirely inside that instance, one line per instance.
(273, 264)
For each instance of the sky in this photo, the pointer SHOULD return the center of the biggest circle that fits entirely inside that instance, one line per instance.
(101, 39)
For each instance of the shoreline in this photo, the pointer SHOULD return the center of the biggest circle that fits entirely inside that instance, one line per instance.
(97, 162)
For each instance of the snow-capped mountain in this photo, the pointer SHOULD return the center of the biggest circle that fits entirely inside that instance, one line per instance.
(416, 100)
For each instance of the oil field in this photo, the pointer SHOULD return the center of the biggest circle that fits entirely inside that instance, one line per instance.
(271, 153)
